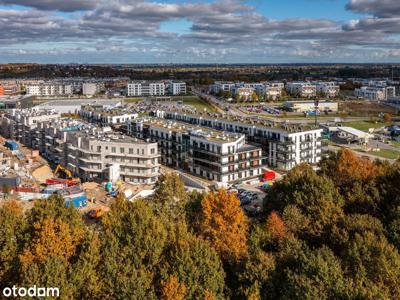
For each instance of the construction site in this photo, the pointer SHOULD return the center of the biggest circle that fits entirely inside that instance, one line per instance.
(26, 176)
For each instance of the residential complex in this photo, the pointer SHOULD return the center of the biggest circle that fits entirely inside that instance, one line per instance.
(146, 88)
(376, 93)
(211, 154)
(17, 124)
(327, 89)
(284, 145)
(49, 89)
(301, 89)
(156, 88)
(242, 90)
(92, 88)
(90, 152)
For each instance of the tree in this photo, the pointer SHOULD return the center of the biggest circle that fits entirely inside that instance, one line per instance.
(387, 118)
(315, 198)
(276, 226)
(170, 197)
(133, 241)
(254, 97)
(172, 289)
(10, 224)
(193, 262)
(224, 225)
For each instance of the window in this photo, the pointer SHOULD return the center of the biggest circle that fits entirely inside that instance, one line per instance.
(153, 151)
(113, 149)
(130, 151)
(121, 150)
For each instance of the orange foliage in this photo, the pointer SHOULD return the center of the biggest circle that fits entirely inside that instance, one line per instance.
(350, 167)
(276, 226)
(51, 238)
(13, 208)
(209, 295)
(172, 289)
(225, 225)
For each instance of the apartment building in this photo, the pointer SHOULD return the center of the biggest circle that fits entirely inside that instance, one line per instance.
(284, 145)
(146, 88)
(91, 152)
(371, 93)
(106, 117)
(49, 89)
(301, 89)
(243, 93)
(9, 87)
(327, 89)
(176, 88)
(16, 124)
(92, 88)
(207, 153)
(225, 86)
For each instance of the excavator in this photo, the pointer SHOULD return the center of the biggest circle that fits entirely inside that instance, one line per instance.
(69, 178)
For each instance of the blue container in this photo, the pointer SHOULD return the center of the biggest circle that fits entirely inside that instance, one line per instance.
(77, 202)
(12, 145)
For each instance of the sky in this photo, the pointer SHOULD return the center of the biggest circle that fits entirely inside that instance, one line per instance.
(200, 31)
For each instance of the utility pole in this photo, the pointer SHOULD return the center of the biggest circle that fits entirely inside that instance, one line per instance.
(316, 103)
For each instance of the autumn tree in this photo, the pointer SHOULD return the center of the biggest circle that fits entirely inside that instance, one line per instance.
(10, 224)
(276, 226)
(387, 118)
(224, 225)
(172, 289)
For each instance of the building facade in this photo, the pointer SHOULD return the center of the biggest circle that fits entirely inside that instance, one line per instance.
(210, 154)
(301, 89)
(284, 146)
(145, 88)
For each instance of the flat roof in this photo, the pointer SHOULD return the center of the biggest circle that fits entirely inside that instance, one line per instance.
(193, 130)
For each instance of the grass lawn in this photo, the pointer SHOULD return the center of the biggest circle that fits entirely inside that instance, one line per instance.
(198, 103)
(385, 153)
(395, 143)
(363, 125)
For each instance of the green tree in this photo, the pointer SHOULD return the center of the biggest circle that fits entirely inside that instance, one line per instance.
(316, 199)
(194, 263)
(133, 241)
(170, 197)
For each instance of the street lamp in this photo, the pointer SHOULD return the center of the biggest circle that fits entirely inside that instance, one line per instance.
(316, 104)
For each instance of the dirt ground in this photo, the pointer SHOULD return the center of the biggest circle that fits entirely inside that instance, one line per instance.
(365, 108)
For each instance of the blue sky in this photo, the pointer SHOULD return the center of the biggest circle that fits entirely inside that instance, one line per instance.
(208, 31)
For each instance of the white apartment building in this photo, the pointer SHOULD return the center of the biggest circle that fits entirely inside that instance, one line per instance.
(106, 117)
(328, 89)
(177, 88)
(371, 93)
(17, 123)
(243, 93)
(284, 145)
(225, 86)
(91, 88)
(49, 89)
(145, 88)
(301, 89)
(214, 155)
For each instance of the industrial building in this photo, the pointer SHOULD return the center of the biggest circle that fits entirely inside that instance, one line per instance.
(211, 154)
(284, 145)
(307, 106)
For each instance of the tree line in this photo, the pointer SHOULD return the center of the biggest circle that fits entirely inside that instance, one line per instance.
(327, 234)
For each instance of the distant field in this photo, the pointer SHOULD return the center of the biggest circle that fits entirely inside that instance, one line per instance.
(363, 125)
(198, 103)
(385, 153)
